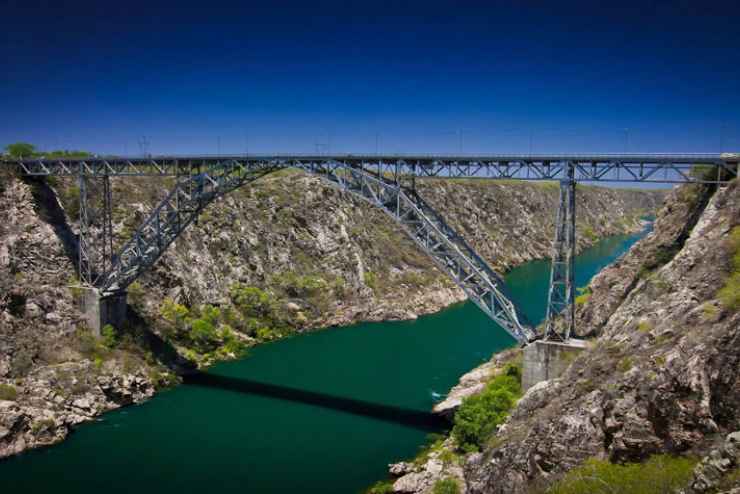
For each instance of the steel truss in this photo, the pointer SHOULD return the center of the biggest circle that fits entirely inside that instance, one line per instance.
(450, 252)
(561, 294)
(95, 251)
(655, 168)
(190, 195)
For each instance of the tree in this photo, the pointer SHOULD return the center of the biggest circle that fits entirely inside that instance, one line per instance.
(20, 149)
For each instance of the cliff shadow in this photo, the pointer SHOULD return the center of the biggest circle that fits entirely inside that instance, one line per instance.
(163, 351)
(49, 210)
(425, 421)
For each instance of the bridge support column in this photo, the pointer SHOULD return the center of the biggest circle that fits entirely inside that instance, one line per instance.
(561, 295)
(101, 310)
(544, 360)
(96, 230)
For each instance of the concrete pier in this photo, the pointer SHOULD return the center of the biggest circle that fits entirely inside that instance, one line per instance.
(545, 360)
(100, 310)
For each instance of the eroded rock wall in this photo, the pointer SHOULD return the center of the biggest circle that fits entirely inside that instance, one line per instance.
(661, 373)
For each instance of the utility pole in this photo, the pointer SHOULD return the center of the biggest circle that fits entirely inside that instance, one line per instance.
(144, 146)
(531, 139)
(626, 140)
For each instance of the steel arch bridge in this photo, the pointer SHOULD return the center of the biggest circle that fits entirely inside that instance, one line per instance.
(387, 182)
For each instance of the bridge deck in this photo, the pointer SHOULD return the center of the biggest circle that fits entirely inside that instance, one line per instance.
(656, 168)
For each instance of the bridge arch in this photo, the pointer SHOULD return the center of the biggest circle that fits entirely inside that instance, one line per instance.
(191, 194)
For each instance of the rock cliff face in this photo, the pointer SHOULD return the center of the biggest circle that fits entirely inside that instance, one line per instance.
(662, 371)
(328, 258)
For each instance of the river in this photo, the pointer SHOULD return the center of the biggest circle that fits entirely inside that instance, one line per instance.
(320, 412)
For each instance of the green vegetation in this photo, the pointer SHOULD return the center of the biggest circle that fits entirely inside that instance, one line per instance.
(709, 312)
(212, 333)
(446, 486)
(663, 256)
(589, 233)
(433, 443)
(661, 474)
(42, 425)
(371, 280)
(730, 480)
(205, 330)
(20, 150)
(449, 457)
(93, 347)
(8, 392)
(381, 487)
(26, 150)
(479, 415)
(729, 294)
(108, 334)
(584, 294)
(625, 364)
(136, 294)
(70, 199)
(644, 326)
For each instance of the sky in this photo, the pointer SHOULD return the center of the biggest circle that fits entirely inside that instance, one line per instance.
(363, 77)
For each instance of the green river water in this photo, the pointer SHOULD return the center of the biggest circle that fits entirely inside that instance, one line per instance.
(321, 412)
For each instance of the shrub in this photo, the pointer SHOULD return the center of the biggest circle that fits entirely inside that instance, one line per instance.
(250, 301)
(8, 392)
(70, 199)
(625, 364)
(449, 457)
(709, 312)
(108, 334)
(42, 425)
(174, 313)
(382, 487)
(203, 333)
(480, 415)
(589, 233)
(446, 486)
(433, 443)
(371, 280)
(661, 474)
(663, 255)
(729, 294)
(584, 295)
(136, 293)
(644, 326)
(21, 150)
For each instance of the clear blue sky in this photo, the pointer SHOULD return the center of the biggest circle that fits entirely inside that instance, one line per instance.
(293, 77)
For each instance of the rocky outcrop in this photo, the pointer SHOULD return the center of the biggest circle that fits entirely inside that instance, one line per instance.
(712, 472)
(286, 226)
(662, 372)
(473, 382)
(53, 399)
(421, 477)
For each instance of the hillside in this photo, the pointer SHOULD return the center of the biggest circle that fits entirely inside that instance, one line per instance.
(661, 374)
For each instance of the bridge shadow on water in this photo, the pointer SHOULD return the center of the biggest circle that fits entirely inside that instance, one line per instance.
(425, 421)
